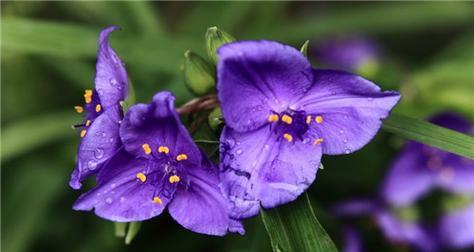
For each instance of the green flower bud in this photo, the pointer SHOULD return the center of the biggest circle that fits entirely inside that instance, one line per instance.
(304, 48)
(198, 74)
(215, 119)
(214, 39)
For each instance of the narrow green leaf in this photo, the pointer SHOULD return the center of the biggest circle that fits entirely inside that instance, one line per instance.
(22, 136)
(430, 134)
(132, 231)
(120, 228)
(295, 228)
(304, 48)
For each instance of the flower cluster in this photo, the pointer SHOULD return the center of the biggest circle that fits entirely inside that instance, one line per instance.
(281, 115)
(418, 171)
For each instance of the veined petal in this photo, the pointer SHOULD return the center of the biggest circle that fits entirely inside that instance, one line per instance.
(200, 206)
(456, 230)
(259, 167)
(408, 179)
(100, 142)
(258, 77)
(351, 109)
(111, 81)
(122, 197)
(154, 125)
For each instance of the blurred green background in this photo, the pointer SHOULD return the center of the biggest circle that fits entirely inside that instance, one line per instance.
(48, 54)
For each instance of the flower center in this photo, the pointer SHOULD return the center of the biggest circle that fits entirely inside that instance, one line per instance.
(292, 125)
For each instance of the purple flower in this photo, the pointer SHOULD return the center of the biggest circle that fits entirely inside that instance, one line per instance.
(100, 139)
(348, 53)
(416, 172)
(281, 116)
(159, 166)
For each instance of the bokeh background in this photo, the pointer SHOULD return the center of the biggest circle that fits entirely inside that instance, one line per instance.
(47, 60)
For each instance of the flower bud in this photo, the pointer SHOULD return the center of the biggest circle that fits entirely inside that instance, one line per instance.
(215, 118)
(198, 74)
(214, 39)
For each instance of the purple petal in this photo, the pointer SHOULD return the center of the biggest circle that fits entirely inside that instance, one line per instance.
(408, 179)
(258, 166)
(352, 240)
(200, 206)
(351, 108)
(119, 195)
(267, 74)
(111, 81)
(157, 124)
(99, 144)
(456, 230)
(456, 174)
(405, 232)
(356, 207)
(452, 121)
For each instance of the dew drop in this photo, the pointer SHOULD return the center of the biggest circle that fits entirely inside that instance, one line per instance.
(122, 199)
(108, 200)
(239, 151)
(113, 82)
(370, 99)
(345, 140)
(111, 139)
(341, 131)
(347, 151)
(276, 101)
(267, 146)
(99, 153)
(113, 185)
(346, 117)
(92, 164)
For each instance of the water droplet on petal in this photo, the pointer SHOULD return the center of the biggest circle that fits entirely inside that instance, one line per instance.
(122, 199)
(341, 131)
(239, 151)
(370, 99)
(92, 164)
(347, 151)
(113, 185)
(108, 200)
(99, 153)
(267, 146)
(111, 139)
(345, 140)
(113, 82)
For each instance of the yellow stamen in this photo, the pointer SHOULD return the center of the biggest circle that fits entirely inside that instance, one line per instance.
(273, 118)
(146, 148)
(288, 137)
(318, 141)
(98, 108)
(88, 95)
(79, 109)
(88, 123)
(157, 200)
(182, 157)
(163, 149)
(83, 133)
(318, 119)
(287, 119)
(141, 177)
(174, 179)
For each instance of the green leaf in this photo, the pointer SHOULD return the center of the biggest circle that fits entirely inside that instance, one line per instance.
(294, 228)
(132, 231)
(198, 74)
(304, 48)
(25, 135)
(430, 134)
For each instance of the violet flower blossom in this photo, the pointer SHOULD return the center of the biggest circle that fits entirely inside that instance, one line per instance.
(416, 171)
(100, 137)
(348, 53)
(281, 116)
(159, 166)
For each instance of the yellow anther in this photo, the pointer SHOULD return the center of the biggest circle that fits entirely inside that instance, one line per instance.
(88, 95)
(163, 149)
(83, 133)
(288, 137)
(318, 119)
(98, 108)
(174, 179)
(141, 177)
(182, 157)
(273, 118)
(88, 123)
(157, 200)
(308, 119)
(287, 119)
(146, 148)
(79, 109)
(318, 141)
